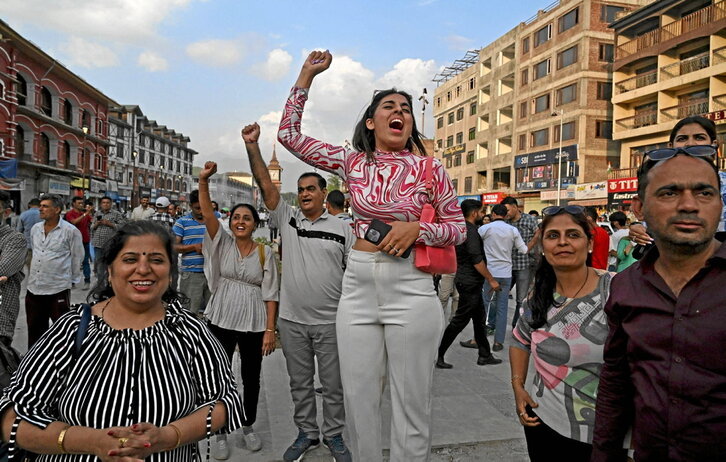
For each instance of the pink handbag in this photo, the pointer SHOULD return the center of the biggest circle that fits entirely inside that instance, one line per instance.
(431, 259)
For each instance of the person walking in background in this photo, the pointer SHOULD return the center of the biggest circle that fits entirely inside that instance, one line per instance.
(600, 241)
(56, 266)
(189, 232)
(143, 210)
(447, 291)
(316, 248)
(242, 312)
(27, 220)
(618, 221)
(272, 220)
(335, 205)
(105, 224)
(625, 253)
(162, 212)
(13, 249)
(471, 272)
(81, 216)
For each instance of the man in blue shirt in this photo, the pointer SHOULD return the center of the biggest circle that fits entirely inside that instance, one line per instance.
(189, 231)
(27, 219)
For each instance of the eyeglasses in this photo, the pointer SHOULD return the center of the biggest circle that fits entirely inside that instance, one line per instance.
(555, 209)
(701, 150)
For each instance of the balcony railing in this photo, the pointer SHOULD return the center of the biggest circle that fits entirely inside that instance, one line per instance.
(685, 66)
(638, 81)
(688, 23)
(641, 119)
(692, 108)
(619, 173)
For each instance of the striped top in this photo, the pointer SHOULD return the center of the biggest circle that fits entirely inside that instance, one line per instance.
(390, 189)
(191, 232)
(121, 377)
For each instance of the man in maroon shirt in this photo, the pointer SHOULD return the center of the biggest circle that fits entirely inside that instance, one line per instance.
(664, 372)
(81, 216)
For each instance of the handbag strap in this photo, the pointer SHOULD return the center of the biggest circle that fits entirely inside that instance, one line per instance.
(428, 176)
(82, 329)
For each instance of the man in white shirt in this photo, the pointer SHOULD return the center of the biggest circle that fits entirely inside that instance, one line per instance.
(57, 256)
(617, 221)
(499, 240)
(144, 210)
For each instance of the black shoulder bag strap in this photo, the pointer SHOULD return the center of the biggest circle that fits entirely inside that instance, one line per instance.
(82, 329)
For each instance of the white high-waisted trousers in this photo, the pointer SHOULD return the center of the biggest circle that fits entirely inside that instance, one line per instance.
(389, 322)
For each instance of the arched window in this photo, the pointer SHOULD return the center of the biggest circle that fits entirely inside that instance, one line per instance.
(65, 151)
(19, 141)
(184, 186)
(176, 185)
(46, 102)
(21, 92)
(44, 149)
(86, 120)
(67, 112)
(2, 90)
(168, 184)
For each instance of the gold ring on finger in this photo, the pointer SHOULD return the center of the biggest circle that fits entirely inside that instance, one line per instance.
(122, 441)
(395, 250)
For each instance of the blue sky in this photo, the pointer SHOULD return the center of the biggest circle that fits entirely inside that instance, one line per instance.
(207, 67)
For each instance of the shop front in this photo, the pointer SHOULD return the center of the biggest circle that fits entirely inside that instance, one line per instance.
(621, 192)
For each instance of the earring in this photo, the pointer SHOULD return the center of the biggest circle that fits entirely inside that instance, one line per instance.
(589, 251)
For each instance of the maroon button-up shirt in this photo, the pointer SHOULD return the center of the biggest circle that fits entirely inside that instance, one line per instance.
(665, 366)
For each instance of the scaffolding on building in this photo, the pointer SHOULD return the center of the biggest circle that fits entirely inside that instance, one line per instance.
(470, 58)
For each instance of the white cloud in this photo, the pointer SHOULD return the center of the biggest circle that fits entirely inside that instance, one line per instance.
(88, 54)
(458, 42)
(152, 61)
(129, 21)
(215, 52)
(277, 65)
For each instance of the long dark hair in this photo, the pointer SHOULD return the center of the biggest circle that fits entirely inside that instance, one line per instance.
(364, 139)
(103, 289)
(542, 297)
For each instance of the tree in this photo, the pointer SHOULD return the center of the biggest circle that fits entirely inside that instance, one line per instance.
(290, 198)
(334, 183)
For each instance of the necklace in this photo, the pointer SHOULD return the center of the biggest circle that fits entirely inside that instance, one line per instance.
(582, 286)
(103, 311)
(246, 252)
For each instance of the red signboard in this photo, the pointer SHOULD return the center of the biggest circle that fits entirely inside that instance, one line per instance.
(623, 185)
(492, 198)
(716, 116)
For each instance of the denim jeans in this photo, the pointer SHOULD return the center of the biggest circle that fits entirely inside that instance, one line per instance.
(86, 262)
(497, 307)
(521, 280)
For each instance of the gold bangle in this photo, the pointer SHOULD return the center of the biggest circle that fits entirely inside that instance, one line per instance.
(61, 437)
(178, 435)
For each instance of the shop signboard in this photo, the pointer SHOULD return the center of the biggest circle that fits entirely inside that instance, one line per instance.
(492, 198)
(545, 184)
(621, 191)
(471, 196)
(459, 148)
(598, 190)
(550, 156)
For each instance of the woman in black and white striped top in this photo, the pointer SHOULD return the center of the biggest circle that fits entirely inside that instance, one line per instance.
(149, 381)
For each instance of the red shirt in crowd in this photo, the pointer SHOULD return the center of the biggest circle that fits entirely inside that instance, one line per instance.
(600, 248)
(84, 226)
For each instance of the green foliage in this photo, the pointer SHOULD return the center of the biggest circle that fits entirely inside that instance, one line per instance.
(290, 198)
(333, 183)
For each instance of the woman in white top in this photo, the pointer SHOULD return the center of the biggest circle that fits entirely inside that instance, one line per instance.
(243, 279)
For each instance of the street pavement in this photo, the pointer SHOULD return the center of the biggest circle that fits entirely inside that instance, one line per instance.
(474, 415)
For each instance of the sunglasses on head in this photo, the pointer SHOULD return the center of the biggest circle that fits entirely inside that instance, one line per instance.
(701, 150)
(555, 209)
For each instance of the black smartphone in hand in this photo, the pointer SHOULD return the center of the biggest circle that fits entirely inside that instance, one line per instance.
(378, 230)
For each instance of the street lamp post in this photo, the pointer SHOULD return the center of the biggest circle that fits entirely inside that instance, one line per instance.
(424, 102)
(85, 161)
(561, 113)
(134, 192)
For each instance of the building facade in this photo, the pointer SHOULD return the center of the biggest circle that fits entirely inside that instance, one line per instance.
(543, 94)
(670, 63)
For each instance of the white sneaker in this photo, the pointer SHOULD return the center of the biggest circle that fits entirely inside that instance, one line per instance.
(221, 450)
(252, 441)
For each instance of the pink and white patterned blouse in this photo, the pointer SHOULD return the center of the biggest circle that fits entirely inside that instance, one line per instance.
(391, 188)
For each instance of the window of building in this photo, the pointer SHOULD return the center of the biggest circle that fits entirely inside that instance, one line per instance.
(142, 156)
(470, 157)
(541, 69)
(67, 112)
(522, 142)
(46, 102)
(440, 122)
(19, 141)
(152, 158)
(86, 119)
(130, 178)
(542, 35)
(568, 21)
(540, 137)
(607, 52)
(541, 103)
(457, 160)
(448, 164)
(44, 148)
(458, 91)
(604, 129)
(21, 92)
(448, 96)
(459, 137)
(525, 77)
(455, 184)
(567, 94)
(460, 113)
(440, 143)
(467, 184)
(472, 133)
(568, 132)
(609, 12)
(449, 141)
(98, 162)
(64, 154)
(438, 101)
(604, 90)
(451, 118)
(472, 109)
(472, 83)
(567, 57)
(525, 45)
(523, 109)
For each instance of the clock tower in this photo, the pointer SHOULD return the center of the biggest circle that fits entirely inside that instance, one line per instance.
(275, 170)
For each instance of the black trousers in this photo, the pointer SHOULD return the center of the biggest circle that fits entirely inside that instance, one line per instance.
(544, 444)
(41, 309)
(250, 352)
(471, 307)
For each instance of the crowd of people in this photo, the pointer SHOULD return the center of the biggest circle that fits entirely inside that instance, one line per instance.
(623, 329)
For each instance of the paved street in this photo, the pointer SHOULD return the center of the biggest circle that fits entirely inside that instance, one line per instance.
(474, 416)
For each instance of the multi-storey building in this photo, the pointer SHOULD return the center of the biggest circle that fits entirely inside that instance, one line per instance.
(542, 88)
(148, 158)
(670, 63)
(53, 124)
